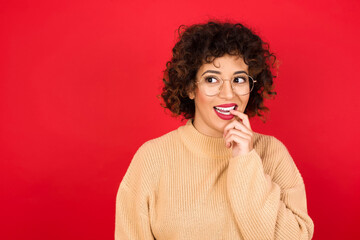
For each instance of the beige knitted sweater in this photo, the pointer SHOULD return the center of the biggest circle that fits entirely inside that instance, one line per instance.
(185, 185)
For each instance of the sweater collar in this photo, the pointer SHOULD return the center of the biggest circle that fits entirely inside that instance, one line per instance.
(201, 144)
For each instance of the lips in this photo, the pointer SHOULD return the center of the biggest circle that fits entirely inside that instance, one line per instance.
(223, 110)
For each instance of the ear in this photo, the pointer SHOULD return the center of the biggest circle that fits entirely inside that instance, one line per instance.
(191, 91)
(191, 95)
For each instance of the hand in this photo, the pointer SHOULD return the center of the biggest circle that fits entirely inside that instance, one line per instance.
(238, 134)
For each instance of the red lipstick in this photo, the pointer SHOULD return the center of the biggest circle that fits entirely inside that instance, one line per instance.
(227, 105)
(223, 110)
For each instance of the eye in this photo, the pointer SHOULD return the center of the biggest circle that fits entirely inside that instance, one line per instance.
(211, 79)
(241, 79)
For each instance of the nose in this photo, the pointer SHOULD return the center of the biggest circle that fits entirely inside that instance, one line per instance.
(226, 91)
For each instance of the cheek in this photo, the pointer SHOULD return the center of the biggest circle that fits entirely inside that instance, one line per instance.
(202, 101)
(244, 101)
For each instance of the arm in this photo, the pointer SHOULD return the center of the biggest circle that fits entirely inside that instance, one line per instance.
(130, 221)
(132, 201)
(265, 207)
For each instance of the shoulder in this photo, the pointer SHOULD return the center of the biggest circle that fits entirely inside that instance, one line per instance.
(156, 147)
(147, 161)
(271, 150)
(266, 143)
(276, 159)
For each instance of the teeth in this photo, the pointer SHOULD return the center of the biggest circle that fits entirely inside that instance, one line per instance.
(225, 113)
(226, 109)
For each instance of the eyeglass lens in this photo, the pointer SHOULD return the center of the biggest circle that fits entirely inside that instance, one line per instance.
(241, 84)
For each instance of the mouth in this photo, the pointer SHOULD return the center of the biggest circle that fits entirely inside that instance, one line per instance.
(224, 109)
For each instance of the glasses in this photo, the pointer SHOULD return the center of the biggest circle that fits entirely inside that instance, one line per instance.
(241, 84)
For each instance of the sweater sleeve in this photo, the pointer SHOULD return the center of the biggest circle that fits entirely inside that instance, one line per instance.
(268, 207)
(132, 219)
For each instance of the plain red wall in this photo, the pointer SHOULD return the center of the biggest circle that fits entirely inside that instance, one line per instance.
(78, 86)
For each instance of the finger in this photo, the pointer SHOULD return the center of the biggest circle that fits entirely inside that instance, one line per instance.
(238, 133)
(237, 125)
(237, 139)
(242, 116)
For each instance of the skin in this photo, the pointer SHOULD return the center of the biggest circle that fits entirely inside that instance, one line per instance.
(236, 132)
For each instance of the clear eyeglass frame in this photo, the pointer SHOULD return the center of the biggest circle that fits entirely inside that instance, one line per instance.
(251, 81)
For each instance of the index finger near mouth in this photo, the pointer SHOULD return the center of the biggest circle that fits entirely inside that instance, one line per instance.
(242, 116)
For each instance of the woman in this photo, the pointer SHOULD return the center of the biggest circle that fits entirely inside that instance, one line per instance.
(214, 178)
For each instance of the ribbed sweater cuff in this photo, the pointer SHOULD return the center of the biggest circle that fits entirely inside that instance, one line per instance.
(252, 155)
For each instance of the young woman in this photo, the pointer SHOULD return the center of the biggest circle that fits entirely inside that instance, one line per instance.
(214, 178)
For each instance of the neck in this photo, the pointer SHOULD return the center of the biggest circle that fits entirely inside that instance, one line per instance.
(203, 128)
(201, 144)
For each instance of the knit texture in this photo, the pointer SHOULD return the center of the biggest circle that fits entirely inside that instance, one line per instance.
(185, 185)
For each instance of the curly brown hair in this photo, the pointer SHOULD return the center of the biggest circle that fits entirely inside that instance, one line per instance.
(202, 43)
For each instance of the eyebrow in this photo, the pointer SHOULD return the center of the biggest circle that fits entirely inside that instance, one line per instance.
(217, 72)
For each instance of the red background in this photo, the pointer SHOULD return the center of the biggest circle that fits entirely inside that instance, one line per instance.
(78, 86)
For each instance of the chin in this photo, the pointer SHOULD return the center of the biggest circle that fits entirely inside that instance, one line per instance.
(220, 124)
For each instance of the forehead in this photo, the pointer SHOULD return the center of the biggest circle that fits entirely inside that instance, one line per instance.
(225, 64)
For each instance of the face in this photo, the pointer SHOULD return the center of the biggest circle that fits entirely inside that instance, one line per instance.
(211, 112)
